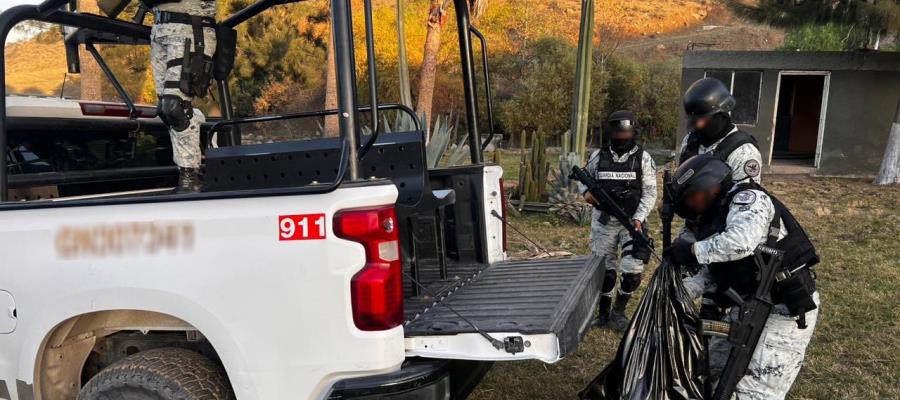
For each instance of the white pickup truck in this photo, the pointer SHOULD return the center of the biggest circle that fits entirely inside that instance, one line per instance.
(303, 271)
(383, 286)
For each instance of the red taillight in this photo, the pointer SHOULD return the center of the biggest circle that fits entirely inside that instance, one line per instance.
(115, 110)
(377, 290)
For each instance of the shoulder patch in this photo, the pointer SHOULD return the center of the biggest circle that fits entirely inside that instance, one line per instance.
(751, 168)
(744, 197)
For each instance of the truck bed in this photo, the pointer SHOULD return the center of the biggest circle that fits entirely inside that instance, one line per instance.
(531, 297)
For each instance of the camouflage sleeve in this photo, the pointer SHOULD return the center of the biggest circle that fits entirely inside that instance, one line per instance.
(591, 168)
(696, 284)
(648, 188)
(746, 227)
(746, 162)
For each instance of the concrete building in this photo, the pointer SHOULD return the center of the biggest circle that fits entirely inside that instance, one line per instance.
(824, 113)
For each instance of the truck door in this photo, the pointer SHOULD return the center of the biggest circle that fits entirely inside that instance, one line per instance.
(7, 312)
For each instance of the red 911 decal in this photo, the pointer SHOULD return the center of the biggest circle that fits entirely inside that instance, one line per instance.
(301, 227)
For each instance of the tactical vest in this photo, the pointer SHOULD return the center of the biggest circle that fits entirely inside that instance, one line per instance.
(796, 282)
(724, 149)
(621, 180)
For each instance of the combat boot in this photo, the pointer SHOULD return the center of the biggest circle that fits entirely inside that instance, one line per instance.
(617, 319)
(189, 181)
(603, 316)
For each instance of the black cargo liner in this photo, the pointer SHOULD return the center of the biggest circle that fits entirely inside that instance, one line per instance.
(556, 295)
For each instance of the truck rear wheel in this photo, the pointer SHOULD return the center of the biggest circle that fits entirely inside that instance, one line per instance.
(160, 374)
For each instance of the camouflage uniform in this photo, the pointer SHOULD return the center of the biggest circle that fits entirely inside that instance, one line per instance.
(779, 355)
(745, 161)
(167, 43)
(607, 237)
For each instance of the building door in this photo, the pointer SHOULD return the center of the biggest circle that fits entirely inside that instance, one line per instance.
(799, 118)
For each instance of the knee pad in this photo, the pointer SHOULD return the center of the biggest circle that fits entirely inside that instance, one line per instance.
(609, 282)
(630, 283)
(175, 112)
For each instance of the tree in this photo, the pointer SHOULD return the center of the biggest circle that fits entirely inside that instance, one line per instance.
(873, 17)
(437, 17)
(91, 75)
(890, 164)
(402, 60)
(331, 121)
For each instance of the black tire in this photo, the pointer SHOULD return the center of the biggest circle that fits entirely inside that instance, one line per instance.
(160, 374)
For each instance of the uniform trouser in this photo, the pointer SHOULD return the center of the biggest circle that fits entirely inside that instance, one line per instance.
(606, 241)
(167, 43)
(777, 358)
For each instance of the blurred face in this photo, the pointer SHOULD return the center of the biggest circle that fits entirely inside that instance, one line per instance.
(699, 123)
(699, 202)
(622, 134)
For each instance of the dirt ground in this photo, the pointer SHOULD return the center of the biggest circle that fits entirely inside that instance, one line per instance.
(855, 352)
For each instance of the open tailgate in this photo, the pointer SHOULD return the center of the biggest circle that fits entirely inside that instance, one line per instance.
(538, 309)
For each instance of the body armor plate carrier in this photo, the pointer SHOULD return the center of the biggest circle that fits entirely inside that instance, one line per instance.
(795, 281)
(622, 180)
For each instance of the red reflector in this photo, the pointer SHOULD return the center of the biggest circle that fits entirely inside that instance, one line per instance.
(115, 110)
(376, 291)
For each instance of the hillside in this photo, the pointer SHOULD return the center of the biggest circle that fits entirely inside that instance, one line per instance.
(532, 48)
(38, 67)
(35, 67)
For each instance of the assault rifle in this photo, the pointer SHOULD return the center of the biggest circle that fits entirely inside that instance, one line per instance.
(640, 238)
(667, 212)
(745, 331)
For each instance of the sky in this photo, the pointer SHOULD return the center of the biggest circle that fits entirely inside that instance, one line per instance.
(15, 35)
(4, 4)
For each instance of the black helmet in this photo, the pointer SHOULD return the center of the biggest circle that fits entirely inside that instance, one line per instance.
(622, 120)
(707, 96)
(698, 173)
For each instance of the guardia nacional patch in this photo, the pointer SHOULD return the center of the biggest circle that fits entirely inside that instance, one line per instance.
(744, 197)
(751, 168)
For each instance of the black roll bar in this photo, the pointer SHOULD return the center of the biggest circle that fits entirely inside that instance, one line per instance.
(49, 11)
(489, 99)
(345, 72)
(132, 111)
(313, 114)
(253, 10)
(468, 72)
(373, 77)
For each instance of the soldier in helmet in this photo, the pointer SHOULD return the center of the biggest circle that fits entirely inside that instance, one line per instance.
(628, 173)
(707, 104)
(733, 218)
(182, 44)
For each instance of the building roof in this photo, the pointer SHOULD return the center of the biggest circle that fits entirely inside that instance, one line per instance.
(794, 60)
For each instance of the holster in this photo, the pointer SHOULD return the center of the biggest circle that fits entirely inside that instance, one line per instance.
(796, 292)
(196, 66)
(603, 218)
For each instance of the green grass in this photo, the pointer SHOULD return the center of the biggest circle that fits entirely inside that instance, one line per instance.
(855, 351)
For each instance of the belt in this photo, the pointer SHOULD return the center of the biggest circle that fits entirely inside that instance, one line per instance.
(169, 17)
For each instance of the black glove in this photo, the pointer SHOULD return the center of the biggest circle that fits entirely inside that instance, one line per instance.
(641, 253)
(680, 253)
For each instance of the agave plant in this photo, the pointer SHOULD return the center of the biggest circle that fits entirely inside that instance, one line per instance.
(459, 152)
(570, 205)
(565, 198)
(440, 136)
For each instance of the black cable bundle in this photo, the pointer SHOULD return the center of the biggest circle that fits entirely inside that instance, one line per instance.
(660, 355)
